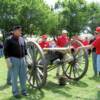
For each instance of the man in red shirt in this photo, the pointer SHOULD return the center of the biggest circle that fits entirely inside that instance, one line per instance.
(85, 42)
(44, 43)
(96, 44)
(63, 39)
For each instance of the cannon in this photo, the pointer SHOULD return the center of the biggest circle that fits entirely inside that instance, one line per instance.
(74, 64)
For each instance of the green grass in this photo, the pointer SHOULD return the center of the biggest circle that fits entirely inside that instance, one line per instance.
(85, 89)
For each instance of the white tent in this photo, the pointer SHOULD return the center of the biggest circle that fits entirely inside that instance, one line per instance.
(89, 36)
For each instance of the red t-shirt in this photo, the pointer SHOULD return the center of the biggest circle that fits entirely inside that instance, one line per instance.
(75, 45)
(96, 44)
(44, 44)
(85, 43)
(62, 40)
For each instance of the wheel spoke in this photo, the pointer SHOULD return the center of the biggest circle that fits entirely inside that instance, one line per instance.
(34, 77)
(77, 72)
(70, 71)
(79, 56)
(78, 67)
(29, 76)
(39, 78)
(74, 72)
(39, 71)
(68, 67)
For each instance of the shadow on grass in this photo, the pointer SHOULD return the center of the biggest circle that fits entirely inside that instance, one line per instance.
(3, 87)
(98, 95)
(95, 78)
(55, 88)
(79, 84)
(84, 98)
(33, 94)
(36, 94)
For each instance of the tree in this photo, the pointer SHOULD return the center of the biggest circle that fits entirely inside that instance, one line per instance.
(76, 15)
(33, 15)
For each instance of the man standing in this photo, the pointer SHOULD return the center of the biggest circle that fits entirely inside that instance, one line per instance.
(85, 42)
(96, 45)
(94, 56)
(44, 43)
(61, 42)
(15, 51)
(8, 64)
(63, 39)
(1, 49)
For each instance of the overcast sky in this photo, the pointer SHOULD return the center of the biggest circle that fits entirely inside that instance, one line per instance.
(51, 2)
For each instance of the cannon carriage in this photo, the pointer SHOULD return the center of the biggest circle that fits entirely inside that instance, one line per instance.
(74, 64)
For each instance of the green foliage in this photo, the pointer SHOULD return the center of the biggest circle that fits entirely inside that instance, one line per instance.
(76, 15)
(33, 15)
(94, 11)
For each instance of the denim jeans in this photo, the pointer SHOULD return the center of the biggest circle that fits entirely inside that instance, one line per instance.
(9, 76)
(1, 52)
(18, 69)
(98, 62)
(94, 60)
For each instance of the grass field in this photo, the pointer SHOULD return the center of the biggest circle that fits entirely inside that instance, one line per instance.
(85, 89)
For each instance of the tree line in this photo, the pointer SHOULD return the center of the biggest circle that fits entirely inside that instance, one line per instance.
(36, 16)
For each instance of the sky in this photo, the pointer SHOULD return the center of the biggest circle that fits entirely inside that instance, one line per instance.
(52, 2)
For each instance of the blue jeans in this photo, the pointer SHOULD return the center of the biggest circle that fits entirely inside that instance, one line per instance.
(98, 63)
(94, 60)
(1, 52)
(9, 76)
(18, 69)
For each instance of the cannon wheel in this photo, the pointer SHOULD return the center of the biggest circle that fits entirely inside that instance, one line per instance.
(37, 71)
(75, 64)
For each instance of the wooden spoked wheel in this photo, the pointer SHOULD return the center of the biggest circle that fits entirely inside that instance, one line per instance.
(75, 63)
(37, 70)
